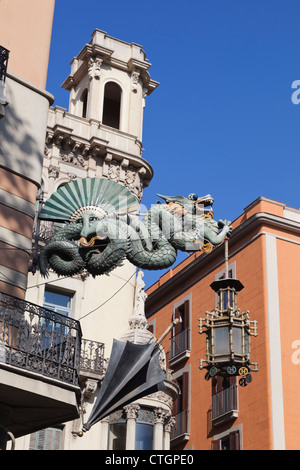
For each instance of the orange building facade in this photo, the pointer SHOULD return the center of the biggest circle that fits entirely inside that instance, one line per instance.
(25, 37)
(264, 254)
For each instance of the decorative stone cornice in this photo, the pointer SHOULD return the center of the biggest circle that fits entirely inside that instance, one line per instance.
(162, 397)
(83, 151)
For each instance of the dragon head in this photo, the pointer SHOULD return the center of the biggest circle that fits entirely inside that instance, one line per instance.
(203, 205)
(193, 203)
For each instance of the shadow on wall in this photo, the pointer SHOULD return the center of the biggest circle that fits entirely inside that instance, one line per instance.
(23, 130)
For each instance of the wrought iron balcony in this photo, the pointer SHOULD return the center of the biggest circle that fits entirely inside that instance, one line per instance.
(4, 54)
(225, 404)
(92, 357)
(180, 429)
(39, 340)
(179, 346)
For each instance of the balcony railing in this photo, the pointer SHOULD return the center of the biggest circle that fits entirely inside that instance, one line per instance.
(39, 340)
(179, 344)
(181, 425)
(4, 53)
(92, 357)
(225, 404)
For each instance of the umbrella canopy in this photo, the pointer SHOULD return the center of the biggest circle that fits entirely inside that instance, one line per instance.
(133, 372)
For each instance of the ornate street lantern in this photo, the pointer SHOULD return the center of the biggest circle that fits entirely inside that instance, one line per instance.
(228, 332)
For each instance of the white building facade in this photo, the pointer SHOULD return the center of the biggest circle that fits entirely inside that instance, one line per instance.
(100, 135)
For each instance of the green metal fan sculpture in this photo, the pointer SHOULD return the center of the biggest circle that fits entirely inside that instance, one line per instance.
(86, 195)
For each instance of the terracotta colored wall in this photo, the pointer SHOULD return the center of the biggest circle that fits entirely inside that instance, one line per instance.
(288, 255)
(16, 223)
(18, 186)
(11, 290)
(25, 30)
(255, 399)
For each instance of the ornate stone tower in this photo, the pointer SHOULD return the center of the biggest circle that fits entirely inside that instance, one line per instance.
(101, 134)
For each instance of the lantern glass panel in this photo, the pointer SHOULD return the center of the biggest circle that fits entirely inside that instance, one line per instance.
(221, 343)
(237, 340)
(247, 344)
(226, 299)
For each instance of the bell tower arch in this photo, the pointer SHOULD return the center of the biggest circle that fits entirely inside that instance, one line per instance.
(100, 135)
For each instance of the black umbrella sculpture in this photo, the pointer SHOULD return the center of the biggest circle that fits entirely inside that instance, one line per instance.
(133, 372)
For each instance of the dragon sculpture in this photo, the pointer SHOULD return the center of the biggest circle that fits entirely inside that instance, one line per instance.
(102, 227)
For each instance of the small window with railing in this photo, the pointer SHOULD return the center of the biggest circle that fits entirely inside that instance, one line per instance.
(180, 431)
(224, 399)
(180, 342)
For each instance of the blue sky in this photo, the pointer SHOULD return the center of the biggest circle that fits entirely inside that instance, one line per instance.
(222, 120)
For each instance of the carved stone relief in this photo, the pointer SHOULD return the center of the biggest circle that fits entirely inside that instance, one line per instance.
(135, 80)
(133, 181)
(94, 67)
(169, 423)
(114, 170)
(162, 397)
(131, 411)
(61, 147)
(75, 159)
(53, 171)
(160, 414)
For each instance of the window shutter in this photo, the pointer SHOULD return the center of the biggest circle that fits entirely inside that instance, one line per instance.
(46, 439)
(218, 384)
(234, 440)
(186, 314)
(177, 327)
(185, 390)
(41, 439)
(175, 407)
(216, 445)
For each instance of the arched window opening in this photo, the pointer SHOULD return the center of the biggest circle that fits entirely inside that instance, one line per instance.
(112, 105)
(83, 100)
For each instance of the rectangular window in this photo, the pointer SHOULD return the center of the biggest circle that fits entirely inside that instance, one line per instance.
(117, 436)
(224, 399)
(180, 342)
(144, 436)
(58, 301)
(180, 412)
(46, 439)
(151, 327)
(230, 441)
